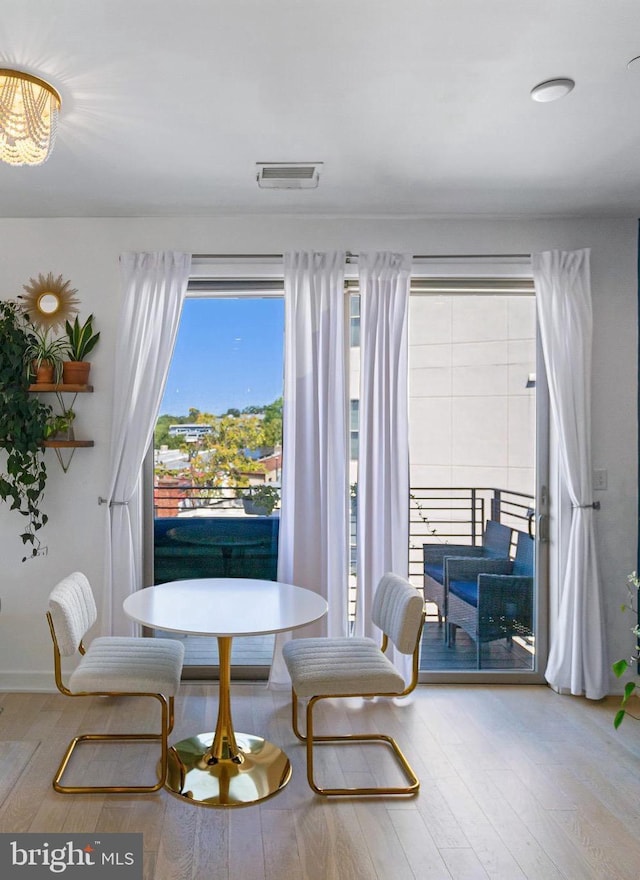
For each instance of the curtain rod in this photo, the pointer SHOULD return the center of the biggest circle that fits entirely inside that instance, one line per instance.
(352, 257)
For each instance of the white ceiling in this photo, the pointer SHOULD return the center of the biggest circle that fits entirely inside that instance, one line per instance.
(416, 107)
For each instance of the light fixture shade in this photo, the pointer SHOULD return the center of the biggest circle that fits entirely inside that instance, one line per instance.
(28, 118)
(552, 89)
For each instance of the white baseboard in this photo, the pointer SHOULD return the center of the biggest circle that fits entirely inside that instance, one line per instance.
(34, 682)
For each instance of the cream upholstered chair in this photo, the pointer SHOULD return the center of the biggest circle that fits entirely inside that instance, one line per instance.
(110, 666)
(357, 667)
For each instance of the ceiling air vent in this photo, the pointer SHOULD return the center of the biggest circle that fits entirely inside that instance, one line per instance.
(288, 175)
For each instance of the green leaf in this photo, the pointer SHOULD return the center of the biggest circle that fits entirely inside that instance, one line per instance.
(629, 688)
(617, 721)
(91, 344)
(620, 667)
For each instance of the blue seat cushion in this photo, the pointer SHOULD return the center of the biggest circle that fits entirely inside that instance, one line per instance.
(435, 570)
(465, 590)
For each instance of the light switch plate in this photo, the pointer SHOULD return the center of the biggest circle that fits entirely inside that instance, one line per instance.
(599, 478)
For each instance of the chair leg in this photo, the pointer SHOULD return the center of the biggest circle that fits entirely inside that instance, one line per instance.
(294, 716)
(167, 724)
(310, 740)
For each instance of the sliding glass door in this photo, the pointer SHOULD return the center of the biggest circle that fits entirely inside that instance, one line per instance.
(477, 443)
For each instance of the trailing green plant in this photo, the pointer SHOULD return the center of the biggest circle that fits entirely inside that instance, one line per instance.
(22, 426)
(420, 510)
(81, 338)
(42, 348)
(622, 666)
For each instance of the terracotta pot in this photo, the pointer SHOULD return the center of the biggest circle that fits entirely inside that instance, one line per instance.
(75, 372)
(44, 373)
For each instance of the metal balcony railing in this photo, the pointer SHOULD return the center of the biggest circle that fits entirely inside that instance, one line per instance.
(458, 516)
(177, 497)
(436, 515)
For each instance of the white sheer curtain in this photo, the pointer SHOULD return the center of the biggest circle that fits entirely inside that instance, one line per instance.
(383, 469)
(313, 542)
(154, 287)
(577, 659)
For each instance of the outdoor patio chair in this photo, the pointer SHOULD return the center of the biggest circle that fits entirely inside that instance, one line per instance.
(491, 599)
(110, 666)
(496, 542)
(357, 667)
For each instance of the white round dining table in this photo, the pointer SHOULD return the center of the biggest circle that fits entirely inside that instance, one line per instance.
(226, 767)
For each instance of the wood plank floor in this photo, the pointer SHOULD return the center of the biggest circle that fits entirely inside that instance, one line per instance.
(517, 782)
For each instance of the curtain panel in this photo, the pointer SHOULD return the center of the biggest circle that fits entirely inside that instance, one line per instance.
(314, 526)
(577, 659)
(154, 287)
(383, 468)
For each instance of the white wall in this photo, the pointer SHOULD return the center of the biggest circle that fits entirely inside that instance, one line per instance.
(86, 251)
(472, 418)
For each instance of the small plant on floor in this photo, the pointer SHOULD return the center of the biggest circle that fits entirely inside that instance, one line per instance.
(621, 666)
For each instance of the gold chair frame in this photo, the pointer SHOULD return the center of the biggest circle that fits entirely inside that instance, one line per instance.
(167, 721)
(310, 739)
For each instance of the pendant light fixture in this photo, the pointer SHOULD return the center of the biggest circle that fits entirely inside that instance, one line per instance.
(28, 118)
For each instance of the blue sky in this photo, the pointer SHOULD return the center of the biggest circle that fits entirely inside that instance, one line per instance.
(228, 354)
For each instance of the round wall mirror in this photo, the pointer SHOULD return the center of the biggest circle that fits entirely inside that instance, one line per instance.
(49, 301)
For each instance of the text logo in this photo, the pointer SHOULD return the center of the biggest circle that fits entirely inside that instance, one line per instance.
(99, 856)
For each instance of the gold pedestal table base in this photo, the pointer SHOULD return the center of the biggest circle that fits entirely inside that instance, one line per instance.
(225, 768)
(258, 770)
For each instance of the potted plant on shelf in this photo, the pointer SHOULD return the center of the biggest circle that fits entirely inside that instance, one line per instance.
(60, 426)
(81, 341)
(261, 500)
(43, 356)
(22, 428)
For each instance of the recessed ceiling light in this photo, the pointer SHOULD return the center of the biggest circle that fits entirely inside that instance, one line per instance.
(552, 89)
(635, 63)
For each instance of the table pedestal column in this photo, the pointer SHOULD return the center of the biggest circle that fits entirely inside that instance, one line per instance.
(226, 768)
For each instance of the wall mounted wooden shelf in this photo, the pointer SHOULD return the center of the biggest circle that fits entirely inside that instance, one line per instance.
(66, 444)
(59, 390)
(70, 389)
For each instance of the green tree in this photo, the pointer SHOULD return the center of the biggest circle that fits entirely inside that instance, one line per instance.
(220, 458)
(161, 435)
(272, 423)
